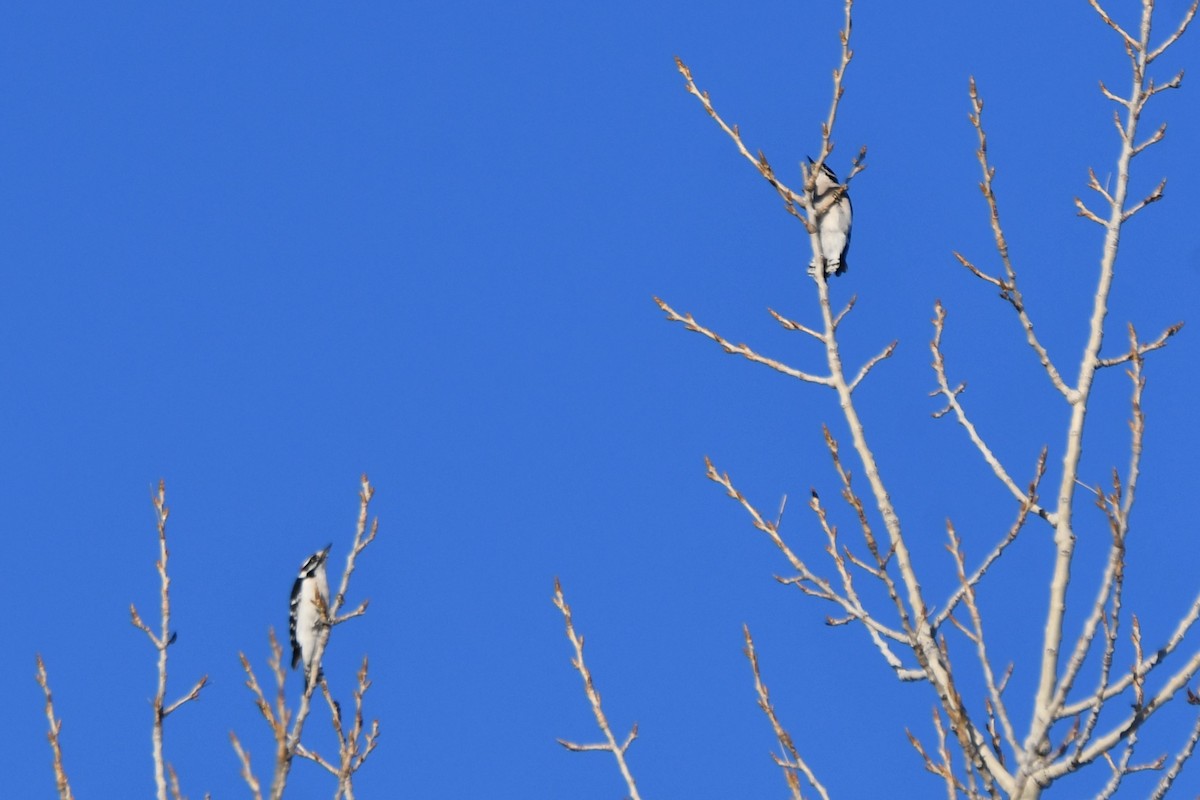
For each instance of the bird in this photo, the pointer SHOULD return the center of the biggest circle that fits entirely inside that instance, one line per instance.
(304, 616)
(833, 225)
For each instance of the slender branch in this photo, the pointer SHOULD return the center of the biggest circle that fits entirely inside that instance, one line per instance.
(1008, 286)
(796, 763)
(827, 144)
(1142, 348)
(738, 349)
(867, 367)
(1000, 547)
(1153, 197)
(60, 773)
(814, 585)
(1129, 40)
(1174, 37)
(1110, 592)
(354, 744)
(173, 783)
(943, 768)
(161, 641)
(1087, 213)
(792, 325)
(977, 637)
(790, 198)
(1169, 777)
(278, 715)
(882, 559)
(247, 772)
(953, 404)
(362, 538)
(593, 696)
(837, 319)
(1151, 662)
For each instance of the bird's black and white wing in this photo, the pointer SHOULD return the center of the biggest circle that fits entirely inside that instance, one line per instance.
(304, 614)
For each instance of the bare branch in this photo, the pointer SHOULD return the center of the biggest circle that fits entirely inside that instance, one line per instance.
(976, 636)
(953, 404)
(1008, 287)
(1185, 752)
(1154, 139)
(1153, 197)
(1114, 97)
(882, 559)
(1129, 40)
(866, 368)
(792, 325)
(1153, 661)
(247, 773)
(1084, 211)
(837, 320)
(589, 687)
(839, 74)
(362, 538)
(738, 349)
(816, 586)
(194, 694)
(60, 773)
(1043, 754)
(943, 768)
(1174, 37)
(1094, 184)
(173, 783)
(1000, 547)
(161, 641)
(790, 198)
(1144, 348)
(785, 739)
(354, 745)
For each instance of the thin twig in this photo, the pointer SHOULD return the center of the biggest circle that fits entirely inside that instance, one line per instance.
(785, 739)
(60, 773)
(997, 705)
(593, 696)
(1008, 287)
(738, 349)
(953, 404)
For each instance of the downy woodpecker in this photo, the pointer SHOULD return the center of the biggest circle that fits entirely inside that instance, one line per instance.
(833, 226)
(305, 616)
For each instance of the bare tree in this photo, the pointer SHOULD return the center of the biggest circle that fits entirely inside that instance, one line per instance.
(980, 751)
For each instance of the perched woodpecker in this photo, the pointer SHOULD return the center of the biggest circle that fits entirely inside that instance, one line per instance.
(833, 226)
(304, 617)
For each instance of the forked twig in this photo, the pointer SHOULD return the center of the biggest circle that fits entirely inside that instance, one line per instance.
(593, 696)
(161, 641)
(738, 349)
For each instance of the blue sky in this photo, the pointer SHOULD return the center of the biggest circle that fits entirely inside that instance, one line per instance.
(256, 251)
